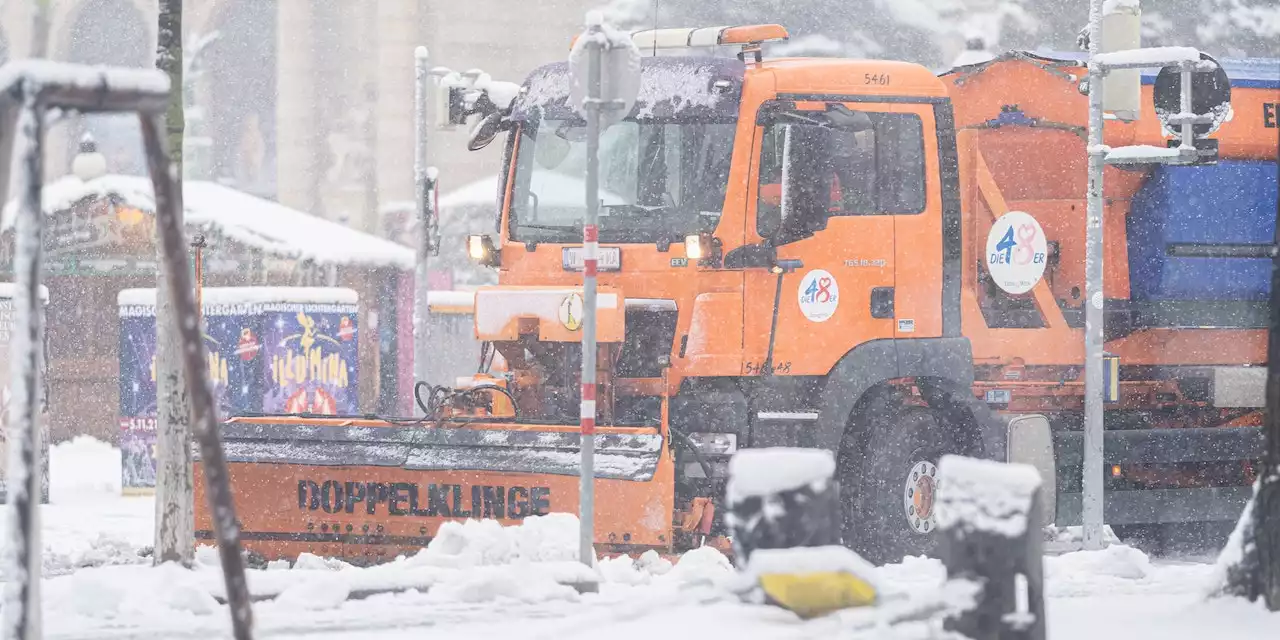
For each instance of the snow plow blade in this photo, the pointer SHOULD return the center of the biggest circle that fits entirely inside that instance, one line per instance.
(629, 456)
(368, 490)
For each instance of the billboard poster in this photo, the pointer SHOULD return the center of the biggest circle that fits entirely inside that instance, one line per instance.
(8, 319)
(232, 360)
(310, 358)
(137, 398)
(233, 338)
(264, 357)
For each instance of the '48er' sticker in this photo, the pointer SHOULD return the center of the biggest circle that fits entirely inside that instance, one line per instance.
(819, 295)
(1016, 251)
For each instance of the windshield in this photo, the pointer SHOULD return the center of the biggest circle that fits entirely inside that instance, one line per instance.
(659, 181)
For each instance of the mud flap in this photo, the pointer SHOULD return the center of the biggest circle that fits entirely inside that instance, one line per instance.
(629, 456)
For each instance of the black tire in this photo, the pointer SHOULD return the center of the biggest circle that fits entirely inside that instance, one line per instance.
(888, 484)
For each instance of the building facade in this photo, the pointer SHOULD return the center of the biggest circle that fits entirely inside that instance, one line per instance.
(307, 102)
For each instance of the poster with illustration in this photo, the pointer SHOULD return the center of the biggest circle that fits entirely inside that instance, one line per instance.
(137, 397)
(8, 320)
(232, 335)
(232, 369)
(310, 358)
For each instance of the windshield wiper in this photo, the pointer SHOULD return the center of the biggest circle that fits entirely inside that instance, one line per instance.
(548, 227)
(634, 208)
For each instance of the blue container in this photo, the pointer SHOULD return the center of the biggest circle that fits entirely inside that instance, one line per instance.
(1231, 202)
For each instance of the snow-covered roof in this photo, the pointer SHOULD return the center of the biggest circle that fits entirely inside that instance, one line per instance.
(9, 290)
(262, 224)
(250, 295)
(1244, 73)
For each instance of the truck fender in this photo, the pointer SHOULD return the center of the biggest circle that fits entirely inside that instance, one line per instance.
(947, 363)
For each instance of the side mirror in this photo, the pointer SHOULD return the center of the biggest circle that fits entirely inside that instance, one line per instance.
(806, 192)
(481, 250)
(485, 131)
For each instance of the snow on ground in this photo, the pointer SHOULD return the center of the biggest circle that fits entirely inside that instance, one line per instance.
(478, 580)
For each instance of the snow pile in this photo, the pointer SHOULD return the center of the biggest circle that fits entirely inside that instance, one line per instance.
(129, 593)
(765, 472)
(985, 495)
(1072, 538)
(1239, 544)
(549, 538)
(705, 565)
(98, 551)
(319, 593)
(83, 470)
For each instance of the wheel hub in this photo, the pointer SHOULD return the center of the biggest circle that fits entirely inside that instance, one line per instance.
(919, 495)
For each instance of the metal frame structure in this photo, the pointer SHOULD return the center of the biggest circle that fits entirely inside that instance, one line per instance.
(30, 90)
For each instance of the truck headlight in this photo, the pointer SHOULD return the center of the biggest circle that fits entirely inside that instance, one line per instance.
(715, 444)
(481, 250)
(693, 247)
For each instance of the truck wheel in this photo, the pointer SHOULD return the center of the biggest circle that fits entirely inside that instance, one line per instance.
(890, 484)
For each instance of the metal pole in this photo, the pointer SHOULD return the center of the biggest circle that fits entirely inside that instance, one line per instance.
(22, 515)
(198, 244)
(421, 288)
(1092, 494)
(226, 527)
(590, 238)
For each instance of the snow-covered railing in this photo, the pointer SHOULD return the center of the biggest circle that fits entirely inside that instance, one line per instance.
(28, 91)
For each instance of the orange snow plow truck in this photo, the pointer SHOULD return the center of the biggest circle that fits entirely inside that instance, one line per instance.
(857, 255)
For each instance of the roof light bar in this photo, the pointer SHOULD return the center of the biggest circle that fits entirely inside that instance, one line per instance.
(708, 36)
(687, 37)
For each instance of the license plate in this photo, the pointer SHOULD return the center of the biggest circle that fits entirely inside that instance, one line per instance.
(608, 259)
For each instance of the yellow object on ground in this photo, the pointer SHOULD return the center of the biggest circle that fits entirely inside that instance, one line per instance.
(811, 595)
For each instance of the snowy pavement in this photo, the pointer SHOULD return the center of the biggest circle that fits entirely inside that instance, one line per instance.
(481, 581)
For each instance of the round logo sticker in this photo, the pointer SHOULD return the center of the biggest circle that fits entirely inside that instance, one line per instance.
(1016, 250)
(819, 295)
(571, 312)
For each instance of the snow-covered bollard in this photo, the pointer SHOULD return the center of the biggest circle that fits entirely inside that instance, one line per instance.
(785, 520)
(779, 498)
(987, 516)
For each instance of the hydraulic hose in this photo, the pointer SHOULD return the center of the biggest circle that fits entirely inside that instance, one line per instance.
(693, 448)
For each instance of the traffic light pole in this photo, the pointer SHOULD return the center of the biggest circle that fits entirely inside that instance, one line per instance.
(421, 285)
(1092, 492)
(590, 249)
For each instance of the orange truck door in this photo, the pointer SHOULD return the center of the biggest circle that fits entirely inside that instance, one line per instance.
(838, 161)
(911, 190)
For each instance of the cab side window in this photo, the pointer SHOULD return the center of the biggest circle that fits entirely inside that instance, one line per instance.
(844, 163)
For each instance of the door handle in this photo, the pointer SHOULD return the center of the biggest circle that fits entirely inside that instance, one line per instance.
(882, 302)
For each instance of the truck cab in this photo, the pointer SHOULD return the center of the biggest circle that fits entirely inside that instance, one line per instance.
(772, 255)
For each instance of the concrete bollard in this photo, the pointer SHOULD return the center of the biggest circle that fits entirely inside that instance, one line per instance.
(785, 519)
(987, 518)
(779, 498)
